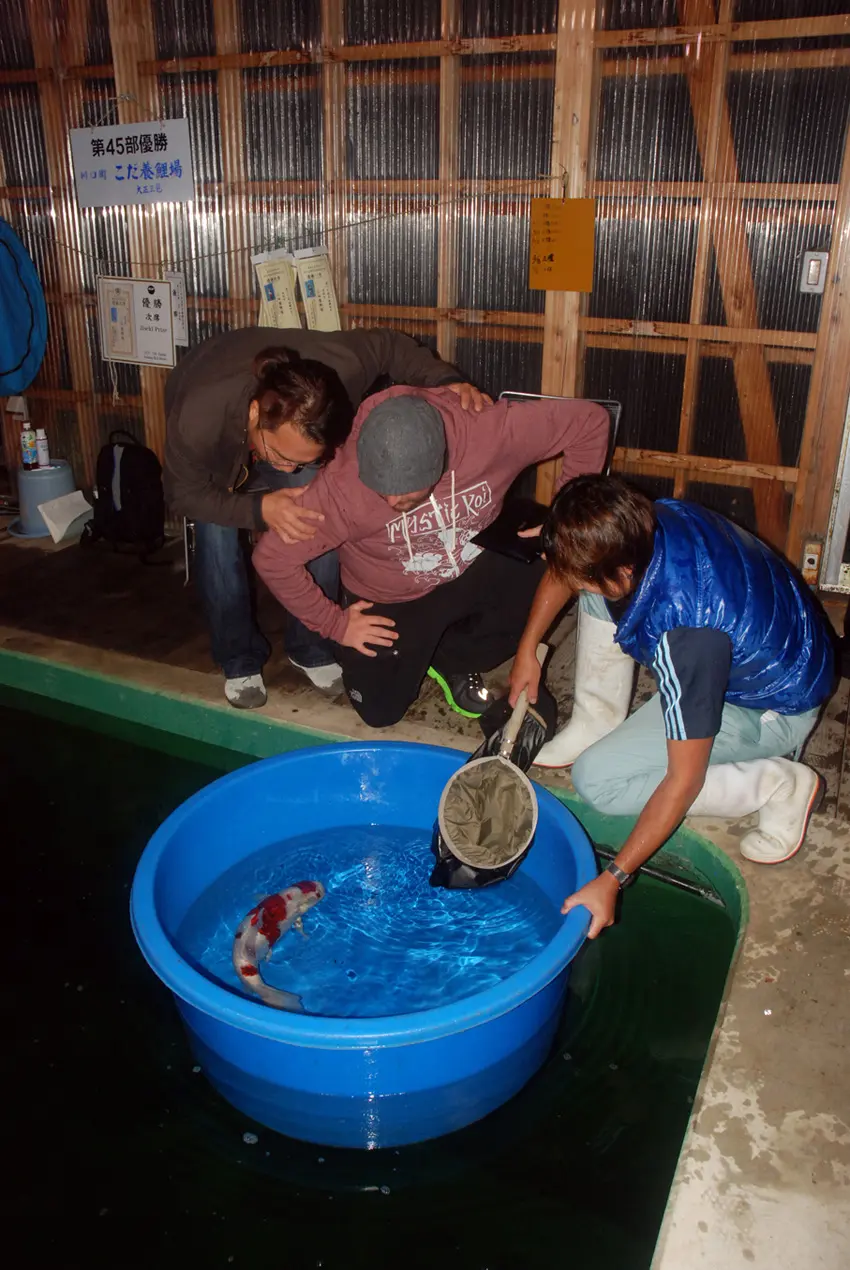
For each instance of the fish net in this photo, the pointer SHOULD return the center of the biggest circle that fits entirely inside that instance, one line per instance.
(488, 813)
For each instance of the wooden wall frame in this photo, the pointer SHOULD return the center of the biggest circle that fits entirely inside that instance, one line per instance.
(713, 48)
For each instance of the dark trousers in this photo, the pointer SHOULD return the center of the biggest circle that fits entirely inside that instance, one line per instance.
(472, 623)
(224, 580)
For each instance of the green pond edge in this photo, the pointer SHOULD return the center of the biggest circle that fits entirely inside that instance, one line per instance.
(182, 722)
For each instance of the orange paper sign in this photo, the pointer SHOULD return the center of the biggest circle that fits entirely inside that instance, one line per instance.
(562, 232)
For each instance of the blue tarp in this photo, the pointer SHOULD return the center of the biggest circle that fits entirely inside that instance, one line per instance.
(23, 315)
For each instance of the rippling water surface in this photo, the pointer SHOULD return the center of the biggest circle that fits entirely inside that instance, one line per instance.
(382, 941)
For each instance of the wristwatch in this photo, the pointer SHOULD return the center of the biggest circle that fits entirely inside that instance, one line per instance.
(621, 877)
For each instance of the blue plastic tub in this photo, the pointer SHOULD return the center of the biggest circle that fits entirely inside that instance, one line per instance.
(40, 486)
(371, 1082)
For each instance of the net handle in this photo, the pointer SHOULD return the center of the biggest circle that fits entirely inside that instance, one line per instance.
(514, 723)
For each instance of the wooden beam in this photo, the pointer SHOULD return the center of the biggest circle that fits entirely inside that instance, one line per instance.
(665, 64)
(709, 32)
(708, 94)
(24, 193)
(153, 67)
(490, 324)
(29, 75)
(721, 334)
(645, 63)
(442, 48)
(488, 317)
(721, 190)
(734, 270)
(572, 130)
(55, 124)
(335, 50)
(805, 204)
(107, 71)
(233, 208)
(69, 398)
(131, 30)
(659, 337)
(624, 330)
(661, 344)
(649, 468)
(650, 63)
(449, 171)
(829, 388)
(703, 463)
(334, 131)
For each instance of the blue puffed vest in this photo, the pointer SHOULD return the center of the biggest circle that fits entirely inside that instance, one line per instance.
(706, 572)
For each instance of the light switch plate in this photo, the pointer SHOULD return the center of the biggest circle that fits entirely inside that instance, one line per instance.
(811, 562)
(813, 275)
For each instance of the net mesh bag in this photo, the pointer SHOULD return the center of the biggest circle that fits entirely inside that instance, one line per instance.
(488, 813)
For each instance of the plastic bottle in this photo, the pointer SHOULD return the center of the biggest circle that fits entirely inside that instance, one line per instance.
(29, 452)
(42, 448)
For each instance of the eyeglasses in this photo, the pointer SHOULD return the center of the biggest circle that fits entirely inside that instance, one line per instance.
(279, 462)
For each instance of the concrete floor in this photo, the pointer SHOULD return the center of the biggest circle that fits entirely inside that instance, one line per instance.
(764, 1178)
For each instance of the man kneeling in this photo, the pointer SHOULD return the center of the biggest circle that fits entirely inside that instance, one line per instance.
(741, 653)
(415, 482)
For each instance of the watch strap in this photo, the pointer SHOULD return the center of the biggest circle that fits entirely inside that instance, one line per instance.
(620, 876)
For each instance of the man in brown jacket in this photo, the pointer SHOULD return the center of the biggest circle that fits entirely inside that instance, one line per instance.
(231, 474)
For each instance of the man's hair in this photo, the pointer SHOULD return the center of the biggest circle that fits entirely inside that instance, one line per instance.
(303, 392)
(597, 526)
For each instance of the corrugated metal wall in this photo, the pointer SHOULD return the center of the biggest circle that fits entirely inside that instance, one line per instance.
(411, 137)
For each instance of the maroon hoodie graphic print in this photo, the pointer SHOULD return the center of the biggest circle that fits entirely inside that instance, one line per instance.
(389, 556)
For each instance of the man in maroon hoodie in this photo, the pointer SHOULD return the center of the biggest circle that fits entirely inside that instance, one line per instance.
(402, 500)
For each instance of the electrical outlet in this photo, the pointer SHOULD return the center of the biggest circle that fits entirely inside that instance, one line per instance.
(813, 276)
(811, 562)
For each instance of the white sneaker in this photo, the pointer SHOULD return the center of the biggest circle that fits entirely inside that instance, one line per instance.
(326, 678)
(247, 692)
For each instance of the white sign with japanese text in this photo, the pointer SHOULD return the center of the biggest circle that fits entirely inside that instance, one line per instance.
(317, 289)
(276, 274)
(133, 163)
(136, 323)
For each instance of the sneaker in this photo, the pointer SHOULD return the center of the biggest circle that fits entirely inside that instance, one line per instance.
(467, 694)
(247, 692)
(327, 678)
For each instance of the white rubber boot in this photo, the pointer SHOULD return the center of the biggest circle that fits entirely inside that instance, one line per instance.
(783, 793)
(603, 690)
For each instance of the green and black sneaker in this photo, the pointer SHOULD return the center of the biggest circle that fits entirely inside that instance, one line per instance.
(467, 694)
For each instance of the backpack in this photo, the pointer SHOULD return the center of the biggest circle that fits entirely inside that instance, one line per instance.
(129, 504)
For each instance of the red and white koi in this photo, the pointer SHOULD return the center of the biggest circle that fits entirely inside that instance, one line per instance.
(260, 930)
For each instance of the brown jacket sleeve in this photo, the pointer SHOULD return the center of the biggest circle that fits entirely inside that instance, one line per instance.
(384, 352)
(202, 448)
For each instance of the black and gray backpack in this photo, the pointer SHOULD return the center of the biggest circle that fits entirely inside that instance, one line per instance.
(129, 504)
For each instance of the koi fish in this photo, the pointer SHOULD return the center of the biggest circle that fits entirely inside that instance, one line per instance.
(260, 930)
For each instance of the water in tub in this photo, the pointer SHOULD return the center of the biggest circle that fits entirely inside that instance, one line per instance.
(382, 941)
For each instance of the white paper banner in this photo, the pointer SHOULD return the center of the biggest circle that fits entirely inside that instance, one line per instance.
(178, 307)
(317, 289)
(133, 163)
(136, 323)
(276, 274)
